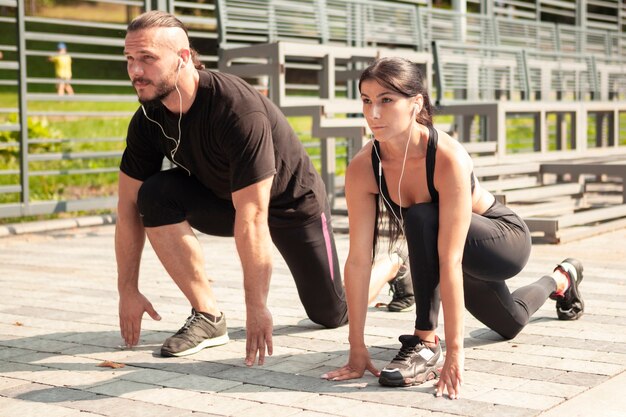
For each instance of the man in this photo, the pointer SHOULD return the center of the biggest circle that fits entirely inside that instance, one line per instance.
(241, 171)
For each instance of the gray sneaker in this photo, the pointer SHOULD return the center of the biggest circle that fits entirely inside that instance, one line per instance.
(197, 333)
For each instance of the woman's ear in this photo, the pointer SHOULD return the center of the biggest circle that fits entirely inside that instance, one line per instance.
(419, 102)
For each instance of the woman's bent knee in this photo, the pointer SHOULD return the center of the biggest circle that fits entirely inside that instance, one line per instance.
(510, 333)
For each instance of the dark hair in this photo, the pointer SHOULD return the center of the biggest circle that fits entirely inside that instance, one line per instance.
(159, 19)
(405, 78)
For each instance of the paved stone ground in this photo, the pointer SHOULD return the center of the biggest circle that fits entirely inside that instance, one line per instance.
(58, 321)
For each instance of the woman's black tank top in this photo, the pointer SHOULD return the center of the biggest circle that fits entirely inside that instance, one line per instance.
(431, 150)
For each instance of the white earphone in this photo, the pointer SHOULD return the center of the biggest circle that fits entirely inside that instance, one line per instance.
(180, 118)
(380, 171)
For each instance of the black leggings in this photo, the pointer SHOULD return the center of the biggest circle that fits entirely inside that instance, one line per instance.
(497, 248)
(308, 248)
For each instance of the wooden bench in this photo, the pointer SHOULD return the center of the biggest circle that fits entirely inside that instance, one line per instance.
(577, 218)
(581, 224)
(576, 170)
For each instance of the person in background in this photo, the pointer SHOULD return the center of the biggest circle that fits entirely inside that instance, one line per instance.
(62, 70)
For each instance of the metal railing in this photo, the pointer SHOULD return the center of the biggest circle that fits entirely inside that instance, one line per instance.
(38, 167)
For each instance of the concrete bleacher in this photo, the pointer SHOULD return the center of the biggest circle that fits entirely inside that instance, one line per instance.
(496, 65)
(341, 38)
(311, 53)
(490, 66)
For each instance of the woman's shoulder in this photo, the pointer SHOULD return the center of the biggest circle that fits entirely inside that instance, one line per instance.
(360, 169)
(362, 159)
(450, 147)
(450, 153)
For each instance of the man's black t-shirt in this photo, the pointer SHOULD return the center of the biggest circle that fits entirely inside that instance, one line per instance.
(231, 137)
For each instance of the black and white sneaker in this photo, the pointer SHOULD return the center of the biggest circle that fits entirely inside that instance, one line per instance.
(414, 364)
(401, 289)
(570, 304)
(198, 332)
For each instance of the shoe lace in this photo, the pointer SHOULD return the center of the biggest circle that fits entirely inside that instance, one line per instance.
(396, 290)
(405, 353)
(190, 320)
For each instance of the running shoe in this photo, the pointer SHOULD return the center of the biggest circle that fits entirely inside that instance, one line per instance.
(198, 332)
(570, 304)
(401, 289)
(414, 364)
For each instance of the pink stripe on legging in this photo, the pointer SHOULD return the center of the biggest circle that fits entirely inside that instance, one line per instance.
(329, 251)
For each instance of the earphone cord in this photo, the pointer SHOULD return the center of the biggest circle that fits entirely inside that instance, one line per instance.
(400, 220)
(180, 118)
(406, 152)
(381, 194)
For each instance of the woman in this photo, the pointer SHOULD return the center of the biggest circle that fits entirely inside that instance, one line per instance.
(462, 243)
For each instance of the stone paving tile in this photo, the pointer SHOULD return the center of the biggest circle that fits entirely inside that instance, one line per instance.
(10, 383)
(119, 388)
(520, 399)
(20, 370)
(291, 366)
(492, 381)
(308, 413)
(580, 379)
(208, 403)
(351, 408)
(39, 344)
(549, 362)
(553, 389)
(39, 393)
(462, 406)
(263, 394)
(15, 407)
(280, 380)
(7, 353)
(192, 368)
(566, 352)
(116, 407)
(529, 372)
(188, 413)
(498, 410)
(407, 397)
(200, 383)
(267, 410)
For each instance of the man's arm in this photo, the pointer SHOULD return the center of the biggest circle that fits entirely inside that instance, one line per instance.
(130, 238)
(254, 245)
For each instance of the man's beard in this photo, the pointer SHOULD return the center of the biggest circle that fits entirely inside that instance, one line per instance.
(163, 89)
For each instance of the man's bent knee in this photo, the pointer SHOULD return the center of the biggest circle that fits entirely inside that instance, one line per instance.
(330, 321)
(157, 204)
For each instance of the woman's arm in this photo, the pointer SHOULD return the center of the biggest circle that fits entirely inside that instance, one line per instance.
(361, 201)
(452, 180)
